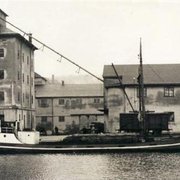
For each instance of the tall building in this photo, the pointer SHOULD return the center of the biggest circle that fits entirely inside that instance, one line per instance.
(17, 99)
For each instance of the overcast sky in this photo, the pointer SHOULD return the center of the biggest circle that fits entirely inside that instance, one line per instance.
(97, 32)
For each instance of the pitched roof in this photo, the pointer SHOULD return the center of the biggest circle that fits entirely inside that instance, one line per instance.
(10, 34)
(70, 90)
(39, 76)
(153, 73)
(1, 11)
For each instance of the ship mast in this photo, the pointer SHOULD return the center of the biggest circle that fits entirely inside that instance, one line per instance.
(141, 94)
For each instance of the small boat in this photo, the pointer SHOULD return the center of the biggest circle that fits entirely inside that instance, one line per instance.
(141, 141)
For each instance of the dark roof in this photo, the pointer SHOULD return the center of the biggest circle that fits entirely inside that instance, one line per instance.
(39, 76)
(11, 34)
(1, 11)
(70, 90)
(153, 73)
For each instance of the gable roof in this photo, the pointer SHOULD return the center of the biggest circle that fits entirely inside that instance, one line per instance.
(153, 73)
(39, 76)
(10, 34)
(1, 11)
(70, 90)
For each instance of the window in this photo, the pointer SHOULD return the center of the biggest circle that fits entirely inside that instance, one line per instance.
(1, 28)
(1, 52)
(27, 60)
(27, 97)
(61, 101)
(1, 74)
(18, 75)
(18, 96)
(23, 57)
(18, 54)
(61, 118)
(43, 103)
(44, 119)
(32, 81)
(23, 97)
(32, 99)
(145, 92)
(23, 77)
(96, 100)
(168, 92)
(79, 101)
(27, 79)
(1, 95)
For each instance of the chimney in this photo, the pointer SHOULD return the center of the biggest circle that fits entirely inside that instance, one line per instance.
(3, 16)
(30, 37)
(52, 81)
(62, 83)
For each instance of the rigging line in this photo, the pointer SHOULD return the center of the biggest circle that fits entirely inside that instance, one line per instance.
(56, 52)
(156, 73)
(123, 87)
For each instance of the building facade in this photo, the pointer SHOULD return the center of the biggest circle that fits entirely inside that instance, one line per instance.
(68, 107)
(161, 91)
(17, 99)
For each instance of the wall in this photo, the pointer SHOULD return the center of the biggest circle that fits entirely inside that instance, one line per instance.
(70, 108)
(19, 103)
(117, 103)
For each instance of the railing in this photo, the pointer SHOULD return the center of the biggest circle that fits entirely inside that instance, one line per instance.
(7, 130)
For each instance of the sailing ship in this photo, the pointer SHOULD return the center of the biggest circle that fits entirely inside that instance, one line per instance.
(142, 141)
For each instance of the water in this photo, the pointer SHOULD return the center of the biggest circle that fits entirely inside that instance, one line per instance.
(146, 166)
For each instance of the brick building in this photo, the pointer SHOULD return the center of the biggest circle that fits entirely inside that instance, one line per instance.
(161, 91)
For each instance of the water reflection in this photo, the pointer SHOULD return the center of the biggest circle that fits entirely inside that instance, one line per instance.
(90, 166)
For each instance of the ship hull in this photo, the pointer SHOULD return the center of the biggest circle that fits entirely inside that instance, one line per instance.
(141, 147)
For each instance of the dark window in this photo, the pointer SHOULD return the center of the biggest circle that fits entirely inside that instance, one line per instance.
(32, 81)
(27, 97)
(18, 75)
(1, 74)
(169, 92)
(1, 28)
(61, 118)
(32, 99)
(23, 57)
(145, 92)
(18, 96)
(27, 79)
(79, 101)
(76, 102)
(44, 119)
(18, 54)
(61, 101)
(23, 77)
(43, 103)
(96, 100)
(1, 95)
(1, 52)
(27, 60)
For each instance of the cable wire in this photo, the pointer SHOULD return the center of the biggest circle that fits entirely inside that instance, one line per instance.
(53, 50)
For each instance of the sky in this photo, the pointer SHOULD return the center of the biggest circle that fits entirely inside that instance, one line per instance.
(94, 33)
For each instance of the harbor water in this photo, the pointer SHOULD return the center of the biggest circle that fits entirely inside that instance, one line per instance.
(128, 166)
